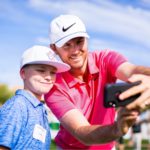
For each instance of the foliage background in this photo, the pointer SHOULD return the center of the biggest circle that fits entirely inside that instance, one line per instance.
(5, 93)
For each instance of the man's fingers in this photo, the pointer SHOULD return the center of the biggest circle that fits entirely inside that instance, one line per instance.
(132, 91)
(126, 118)
(141, 103)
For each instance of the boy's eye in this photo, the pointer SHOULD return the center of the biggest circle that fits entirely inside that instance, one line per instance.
(40, 70)
(52, 72)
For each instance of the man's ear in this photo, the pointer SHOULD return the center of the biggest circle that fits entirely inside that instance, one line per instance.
(53, 47)
(22, 73)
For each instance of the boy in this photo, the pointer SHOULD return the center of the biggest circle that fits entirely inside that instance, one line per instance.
(23, 118)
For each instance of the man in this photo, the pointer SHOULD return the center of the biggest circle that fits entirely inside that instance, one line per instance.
(77, 97)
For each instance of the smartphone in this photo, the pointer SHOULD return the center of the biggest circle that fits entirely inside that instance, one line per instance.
(112, 91)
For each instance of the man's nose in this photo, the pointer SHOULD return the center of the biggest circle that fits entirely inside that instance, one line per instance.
(75, 48)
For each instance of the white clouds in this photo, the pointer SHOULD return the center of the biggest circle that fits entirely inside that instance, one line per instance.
(104, 17)
(125, 22)
(9, 12)
(145, 3)
(43, 40)
(124, 28)
(20, 14)
(134, 53)
(48, 6)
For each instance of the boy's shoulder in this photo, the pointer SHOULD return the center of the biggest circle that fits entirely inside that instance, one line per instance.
(15, 103)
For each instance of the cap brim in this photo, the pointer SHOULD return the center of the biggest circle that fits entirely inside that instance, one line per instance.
(60, 66)
(62, 41)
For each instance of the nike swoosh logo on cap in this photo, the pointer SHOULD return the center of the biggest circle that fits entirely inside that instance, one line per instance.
(65, 29)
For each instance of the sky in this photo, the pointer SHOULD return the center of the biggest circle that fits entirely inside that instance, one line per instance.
(120, 25)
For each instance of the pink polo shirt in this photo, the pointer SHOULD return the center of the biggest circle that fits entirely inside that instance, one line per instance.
(70, 93)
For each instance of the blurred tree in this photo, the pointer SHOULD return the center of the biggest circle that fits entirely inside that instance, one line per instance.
(5, 93)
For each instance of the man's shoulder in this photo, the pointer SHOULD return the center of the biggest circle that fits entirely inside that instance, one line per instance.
(99, 55)
(102, 52)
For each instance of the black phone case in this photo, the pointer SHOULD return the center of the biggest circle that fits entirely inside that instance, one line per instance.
(112, 91)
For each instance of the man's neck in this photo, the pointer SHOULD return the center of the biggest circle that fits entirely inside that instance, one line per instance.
(80, 74)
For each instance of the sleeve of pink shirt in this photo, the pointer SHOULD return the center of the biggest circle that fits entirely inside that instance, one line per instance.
(115, 59)
(111, 59)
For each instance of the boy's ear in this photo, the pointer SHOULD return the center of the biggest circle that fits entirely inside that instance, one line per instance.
(53, 47)
(22, 73)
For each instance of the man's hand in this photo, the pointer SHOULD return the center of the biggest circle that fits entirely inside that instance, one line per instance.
(125, 119)
(143, 101)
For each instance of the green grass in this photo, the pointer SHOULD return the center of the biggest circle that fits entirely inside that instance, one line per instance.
(53, 145)
(144, 145)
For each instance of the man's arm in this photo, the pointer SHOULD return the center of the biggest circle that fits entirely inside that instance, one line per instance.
(79, 127)
(127, 69)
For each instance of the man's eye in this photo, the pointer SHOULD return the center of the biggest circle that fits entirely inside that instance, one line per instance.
(66, 46)
(80, 41)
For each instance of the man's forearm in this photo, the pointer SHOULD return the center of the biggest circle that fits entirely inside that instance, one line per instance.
(98, 134)
(142, 70)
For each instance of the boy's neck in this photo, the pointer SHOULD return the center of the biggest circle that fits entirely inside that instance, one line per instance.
(39, 97)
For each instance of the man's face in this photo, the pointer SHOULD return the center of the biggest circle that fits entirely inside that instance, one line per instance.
(74, 52)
